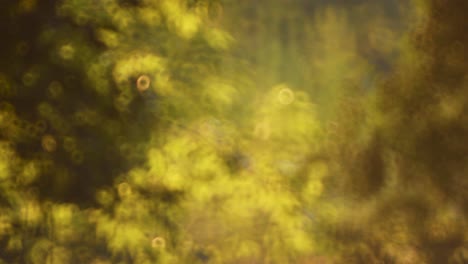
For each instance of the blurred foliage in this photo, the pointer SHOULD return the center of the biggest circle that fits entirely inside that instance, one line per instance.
(209, 131)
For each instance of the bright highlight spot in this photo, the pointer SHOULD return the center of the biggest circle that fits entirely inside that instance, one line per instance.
(143, 83)
(285, 96)
(158, 242)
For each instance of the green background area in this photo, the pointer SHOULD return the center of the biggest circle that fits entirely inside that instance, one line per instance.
(211, 131)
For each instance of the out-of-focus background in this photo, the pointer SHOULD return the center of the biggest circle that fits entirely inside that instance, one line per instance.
(220, 131)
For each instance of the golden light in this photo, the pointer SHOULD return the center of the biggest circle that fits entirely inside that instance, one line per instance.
(143, 83)
(124, 189)
(67, 52)
(285, 96)
(158, 242)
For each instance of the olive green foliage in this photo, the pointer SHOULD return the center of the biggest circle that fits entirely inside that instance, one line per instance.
(124, 141)
(182, 131)
(404, 181)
